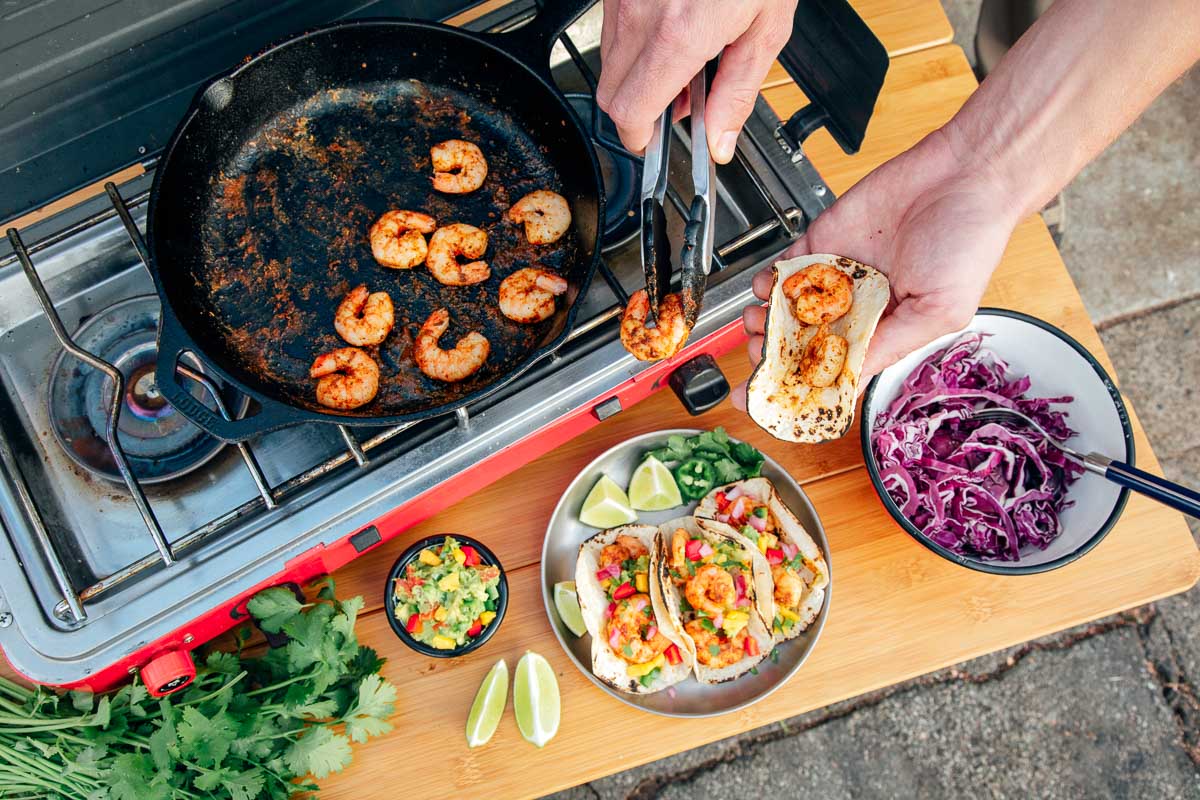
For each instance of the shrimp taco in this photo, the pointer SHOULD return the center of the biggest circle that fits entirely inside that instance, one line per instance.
(822, 314)
(798, 570)
(634, 647)
(709, 579)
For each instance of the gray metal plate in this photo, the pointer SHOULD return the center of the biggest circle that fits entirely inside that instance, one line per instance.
(691, 699)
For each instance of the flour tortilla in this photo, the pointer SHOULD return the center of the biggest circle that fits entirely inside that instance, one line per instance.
(713, 532)
(606, 664)
(789, 529)
(776, 398)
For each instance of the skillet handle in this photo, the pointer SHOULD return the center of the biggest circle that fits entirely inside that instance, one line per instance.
(531, 43)
(173, 343)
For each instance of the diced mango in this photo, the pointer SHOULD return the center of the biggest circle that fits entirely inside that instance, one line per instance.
(459, 555)
(487, 617)
(763, 544)
(429, 557)
(642, 581)
(734, 621)
(443, 642)
(440, 614)
(787, 614)
(449, 583)
(638, 670)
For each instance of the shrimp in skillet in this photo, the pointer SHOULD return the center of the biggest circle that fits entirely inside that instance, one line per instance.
(823, 358)
(447, 244)
(458, 167)
(819, 293)
(661, 341)
(528, 294)
(364, 317)
(545, 214)
(455, 364)
(398, 238)
(348, 376)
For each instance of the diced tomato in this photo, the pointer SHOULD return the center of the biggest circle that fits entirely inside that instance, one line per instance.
(624, 590)
(608, 612)
(413, 623)
(774, 556)
(475, 629)
(472, 556)
(751, 646)
(672, 655)
(692, 549)
(722, 501)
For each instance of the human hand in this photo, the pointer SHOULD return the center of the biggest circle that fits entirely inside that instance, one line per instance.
(651, 50)
(933, 225)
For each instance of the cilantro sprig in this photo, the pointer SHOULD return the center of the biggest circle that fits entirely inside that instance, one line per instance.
(247, 728)
(732, 461)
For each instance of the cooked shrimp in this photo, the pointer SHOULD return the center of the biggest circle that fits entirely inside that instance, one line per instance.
(679, 542)
(364, 317)
(348, 376)
(545, 214)
(710, 590)
(625, 548)
(458, 167)
(823, 358)
(789, 587)
(447, 244)
(460, 362)
(661, 341)
(397, 239)
(729, 650)
(820, 293)
(633, 626)
(528, 294)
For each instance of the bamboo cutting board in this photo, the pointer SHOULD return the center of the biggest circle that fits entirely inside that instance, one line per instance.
(898, 610)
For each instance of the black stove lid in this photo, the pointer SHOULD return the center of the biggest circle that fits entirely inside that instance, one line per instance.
(89, 87)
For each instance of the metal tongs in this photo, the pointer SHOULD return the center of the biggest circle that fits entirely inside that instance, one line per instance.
(695, 257)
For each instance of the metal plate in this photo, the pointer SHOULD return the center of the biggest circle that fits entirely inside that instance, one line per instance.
(692, 699)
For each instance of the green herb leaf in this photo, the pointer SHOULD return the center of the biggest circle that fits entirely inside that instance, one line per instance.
(204, 740)
(714, 650)
(274, 608)
(245, 786)
(318, 752)
(727, 470)
(223, 663)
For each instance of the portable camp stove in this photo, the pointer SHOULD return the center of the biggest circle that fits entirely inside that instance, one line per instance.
(133, 537)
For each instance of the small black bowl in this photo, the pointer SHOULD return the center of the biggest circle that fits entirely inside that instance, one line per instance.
(486, 556)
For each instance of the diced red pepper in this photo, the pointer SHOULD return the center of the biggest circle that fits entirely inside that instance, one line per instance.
(475, 629)
(774, 556)
(413, 623)
(472, 555)
(672, 655)
(624, 590)
(751, 646)
(692, 549)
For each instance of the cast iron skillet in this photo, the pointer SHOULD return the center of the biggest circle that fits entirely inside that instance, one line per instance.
(259, 212)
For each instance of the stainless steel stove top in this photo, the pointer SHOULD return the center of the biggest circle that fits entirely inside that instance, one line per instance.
(82, 583)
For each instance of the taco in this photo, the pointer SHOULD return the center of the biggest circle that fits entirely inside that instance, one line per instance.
(709, 580)
(822, 314)
(799, 573)
(633, 650)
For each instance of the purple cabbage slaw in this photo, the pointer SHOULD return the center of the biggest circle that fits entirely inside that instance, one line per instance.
(978, 489)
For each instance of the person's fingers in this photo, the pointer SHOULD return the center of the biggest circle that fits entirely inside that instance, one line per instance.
(625, 29)
(662, 69)
(607, 25)
(800, 247)
(754, 348)
(764, 279)
(743, 66)
(738, 396)
(681, 106)
(913, 324)
(754, 320)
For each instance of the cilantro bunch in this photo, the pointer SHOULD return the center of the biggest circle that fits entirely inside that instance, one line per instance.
(247, 728)
(732, 461)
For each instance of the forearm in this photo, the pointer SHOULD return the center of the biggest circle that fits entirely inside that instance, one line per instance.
(1072, 84)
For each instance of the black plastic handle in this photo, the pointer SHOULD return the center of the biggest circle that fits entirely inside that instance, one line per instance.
(699, 384)
(532, 42)
(1164, 491)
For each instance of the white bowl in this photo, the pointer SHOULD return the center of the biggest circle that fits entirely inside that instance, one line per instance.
(1057, 365)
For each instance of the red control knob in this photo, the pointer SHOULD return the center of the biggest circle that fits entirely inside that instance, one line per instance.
(169, 672)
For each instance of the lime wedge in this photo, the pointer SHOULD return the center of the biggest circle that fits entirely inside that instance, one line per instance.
(488, 706)
(535, 699)
(606, 506)
(567, 603)
(653, 487)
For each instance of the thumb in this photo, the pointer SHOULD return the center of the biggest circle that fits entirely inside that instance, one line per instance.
(740, 74)
(907, 328)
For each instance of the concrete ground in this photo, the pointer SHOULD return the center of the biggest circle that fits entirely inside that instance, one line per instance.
(1106, 710)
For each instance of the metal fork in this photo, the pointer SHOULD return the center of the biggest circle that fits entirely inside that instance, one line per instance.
(1178, 497)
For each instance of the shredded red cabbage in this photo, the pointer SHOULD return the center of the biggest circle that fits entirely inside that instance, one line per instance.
(979, 489)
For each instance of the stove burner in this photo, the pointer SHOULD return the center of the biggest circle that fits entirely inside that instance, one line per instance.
(620, 175)
(159, 443)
